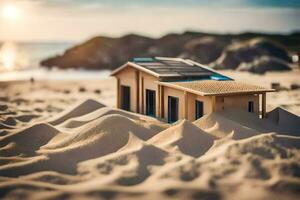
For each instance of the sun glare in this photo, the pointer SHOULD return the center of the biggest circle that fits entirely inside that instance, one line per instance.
(8, 56)
(10, 12)
(13, 57)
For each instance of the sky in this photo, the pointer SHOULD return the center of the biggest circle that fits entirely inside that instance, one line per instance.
(78, 20)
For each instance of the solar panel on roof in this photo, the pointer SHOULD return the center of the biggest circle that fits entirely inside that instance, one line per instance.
(143, 59)
(173, 68)
(150, 63)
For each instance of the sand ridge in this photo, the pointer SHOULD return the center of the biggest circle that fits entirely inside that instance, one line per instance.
(93, 151)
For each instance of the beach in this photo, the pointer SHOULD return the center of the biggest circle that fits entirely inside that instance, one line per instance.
(64, 139)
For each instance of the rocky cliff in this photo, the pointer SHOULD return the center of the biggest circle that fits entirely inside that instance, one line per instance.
(217, 51)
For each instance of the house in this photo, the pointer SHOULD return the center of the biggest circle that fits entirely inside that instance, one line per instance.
(175, 88)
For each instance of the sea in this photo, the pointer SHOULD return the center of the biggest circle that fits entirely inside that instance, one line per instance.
(21, 61)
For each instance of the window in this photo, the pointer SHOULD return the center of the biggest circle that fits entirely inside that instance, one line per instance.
(199, 109)
(251, 106)
(125, 97)
(172, 109)
(150, 102)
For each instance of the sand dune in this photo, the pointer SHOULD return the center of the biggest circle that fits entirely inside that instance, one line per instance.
(102, 127)
(10, 121)
(27, 141)
(266, 162)
(220, 126)
(99, 138)
(286, 122)
(4, 126)
(81, 109)
(91, 151)
(146, 121)
(130, 165)
(26, 118)
(184, 137)
(265, 125)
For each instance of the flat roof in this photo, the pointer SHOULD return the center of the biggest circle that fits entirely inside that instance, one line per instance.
(172, 68)
(214, 88)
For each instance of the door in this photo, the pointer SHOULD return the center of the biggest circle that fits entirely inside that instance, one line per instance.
(172, 109)
(125, 97)
(251, 106)
(199, 109)
(150, 102)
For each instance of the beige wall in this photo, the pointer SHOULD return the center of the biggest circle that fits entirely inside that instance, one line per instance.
(207, 105)
(237, 101)
(174, 93)
(191, 103)
(221, 103)
(127, 77)
(149, 83)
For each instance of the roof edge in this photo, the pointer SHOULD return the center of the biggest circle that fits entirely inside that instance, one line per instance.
(131, 64)
(180, 88)
(115, 71)
(263, 90)
(240, 92)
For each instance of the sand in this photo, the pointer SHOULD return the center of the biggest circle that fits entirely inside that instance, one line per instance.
(58, 141)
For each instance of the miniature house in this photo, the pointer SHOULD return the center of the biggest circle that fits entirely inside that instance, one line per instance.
(175, 88)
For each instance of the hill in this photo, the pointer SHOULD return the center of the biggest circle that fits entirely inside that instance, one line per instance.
(109, 53)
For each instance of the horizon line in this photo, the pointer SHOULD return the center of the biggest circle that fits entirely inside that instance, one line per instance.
(283, 33)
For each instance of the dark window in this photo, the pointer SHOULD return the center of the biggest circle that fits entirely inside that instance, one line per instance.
(150, 103)
(251, 106)
(125, 97)
(172, 109)
(199, 109)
